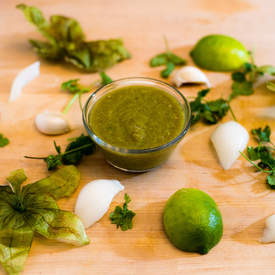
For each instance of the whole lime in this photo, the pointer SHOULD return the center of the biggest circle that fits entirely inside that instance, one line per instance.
(192, 221)
(219, 53)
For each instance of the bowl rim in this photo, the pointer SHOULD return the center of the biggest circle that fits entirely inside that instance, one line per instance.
(101, 143)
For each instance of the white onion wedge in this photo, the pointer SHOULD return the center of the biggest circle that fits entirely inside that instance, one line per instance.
(229, 139)
(23, 78)
(269, 231)
(52, 123)
(268, 112)
(94, 200)
(189, 75)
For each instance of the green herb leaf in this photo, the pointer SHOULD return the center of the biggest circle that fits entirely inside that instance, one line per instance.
(169, 59)
(105, 79)
(175, 59)
(264, 155)
(122, 216)
(271, 180)
(270, 86)
(238, 76)
(262, 135)
(159, 60)
(241, 88)
(73, 154)
(3, 140)
(168, 70)
(84, 142)
(209, 111)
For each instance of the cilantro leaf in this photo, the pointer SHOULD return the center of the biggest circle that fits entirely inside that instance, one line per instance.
(122, 216)
(238, 76)
(241, 88)
(249, 73)
(167, 58)
(263, 154)
(105, 79)
(271, 179)
(3, 140)
(73, 154)
(159, 60)
(168, 70)
(209, 111)
(82, 145)
(262, 135)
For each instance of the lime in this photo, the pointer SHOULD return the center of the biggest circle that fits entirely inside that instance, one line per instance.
(192, 221)
(219, 53)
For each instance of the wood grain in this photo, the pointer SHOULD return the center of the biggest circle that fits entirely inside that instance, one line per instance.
(241, 194)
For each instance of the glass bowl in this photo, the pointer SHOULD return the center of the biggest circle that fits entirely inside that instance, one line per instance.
(136, 160)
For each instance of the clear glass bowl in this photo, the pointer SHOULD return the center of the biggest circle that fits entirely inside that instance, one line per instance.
(136, 160)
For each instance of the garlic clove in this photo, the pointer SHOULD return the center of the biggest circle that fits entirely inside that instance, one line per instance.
(95, 198)
(189, 74)
(52, 123)
(229, 139)
(269, 231)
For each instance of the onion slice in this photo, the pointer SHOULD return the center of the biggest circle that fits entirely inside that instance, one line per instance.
(23, 78)
(229, 139)
(94, 200)
(269, 231)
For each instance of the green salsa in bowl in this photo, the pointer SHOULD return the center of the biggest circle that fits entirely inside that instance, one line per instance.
(136, 122)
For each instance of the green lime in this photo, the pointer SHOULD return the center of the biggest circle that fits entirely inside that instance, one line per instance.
(192, 221)
(219, 53)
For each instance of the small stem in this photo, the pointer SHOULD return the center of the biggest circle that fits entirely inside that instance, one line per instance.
(166, 44)
(70, 104)
(77, 149)
(255, 165)
(28, 157)
(80, 101)
(232, 113)
(65, 153)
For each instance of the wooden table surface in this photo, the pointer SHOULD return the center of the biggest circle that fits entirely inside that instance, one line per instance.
(241, 194)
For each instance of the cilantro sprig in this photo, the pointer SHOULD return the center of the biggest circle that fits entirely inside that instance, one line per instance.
(72, 86)
(3, 140)
(249, 73)
(169, 59)
(73, 154)
(262, 157)
(122, 216)
(211, 112)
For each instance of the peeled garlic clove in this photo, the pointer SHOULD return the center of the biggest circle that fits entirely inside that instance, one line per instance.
(189, 74)
(229, 139)
(52, 123)
(269, 231)
(94, 200)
